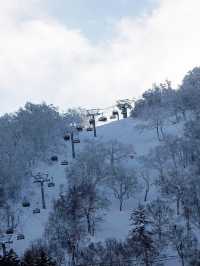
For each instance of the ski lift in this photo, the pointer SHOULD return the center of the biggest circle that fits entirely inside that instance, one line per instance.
(76, 140)
(89, 129)
(115, 112)
(54, 158)
(9, 231)
(79, 128)
(124, 110)
(26, 203)
(92, 121)
(131, 156)
(102, 119)
(67, 137)
(64, 163)
(20, 237)
(36, 210)
(51, 184)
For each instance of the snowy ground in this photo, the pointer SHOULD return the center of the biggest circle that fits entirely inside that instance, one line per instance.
(116, 223)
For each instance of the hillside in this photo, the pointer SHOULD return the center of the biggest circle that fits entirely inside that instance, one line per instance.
(116, 224)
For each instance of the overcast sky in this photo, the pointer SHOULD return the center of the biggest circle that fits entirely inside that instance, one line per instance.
(90, 53)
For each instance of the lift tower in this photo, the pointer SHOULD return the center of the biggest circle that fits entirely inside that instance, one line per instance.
(41, 178)
(92, 113)
(124, 105)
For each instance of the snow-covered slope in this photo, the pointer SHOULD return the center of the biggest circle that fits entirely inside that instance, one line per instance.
(116, 223)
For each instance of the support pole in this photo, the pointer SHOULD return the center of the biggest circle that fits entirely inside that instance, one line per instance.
(94, 126)
(42, 193)
(39, 178)
(4, 249)
(92, 113)
(73, 148)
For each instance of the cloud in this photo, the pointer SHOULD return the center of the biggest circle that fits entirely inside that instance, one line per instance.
(42, 59)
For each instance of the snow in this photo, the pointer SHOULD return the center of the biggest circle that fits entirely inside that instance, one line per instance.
(116, 223)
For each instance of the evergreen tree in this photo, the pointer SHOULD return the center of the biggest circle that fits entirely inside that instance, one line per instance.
(140, 238)
(37, 256)
(10, 259)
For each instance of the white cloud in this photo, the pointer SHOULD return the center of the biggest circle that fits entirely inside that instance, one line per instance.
(41, 59)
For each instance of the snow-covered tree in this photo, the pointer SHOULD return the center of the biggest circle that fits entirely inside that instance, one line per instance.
(109, 252)
(123, 182)
(93, 204)
(140, 238)
(116, 152)
(190, 91)
(67, 228)
(184, 244)
(156, 107)
(37, 256)
(160, 216)
(90, 165)
(10, 259)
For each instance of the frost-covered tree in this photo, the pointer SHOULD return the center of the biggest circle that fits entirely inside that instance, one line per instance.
(170, 161)
(184, 244)
(155, 107)
(140, 237)
(93, 204)
(190, 91)
(10, 259)
(116, 152)
(160, 216)
(67, 228)
(37, 256)
(90, 165)
(123, 182)
(109, 252)
(28, 136)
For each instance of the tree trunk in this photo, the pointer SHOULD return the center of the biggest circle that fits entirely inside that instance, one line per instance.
(88, 223)
(157, 131)
(146, 258)
(162, 132)
(146, 194)
(178, 206)
(120, 204)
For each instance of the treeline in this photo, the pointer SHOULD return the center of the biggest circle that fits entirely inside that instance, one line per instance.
(34, 256)
(163, 105)
(30, 135)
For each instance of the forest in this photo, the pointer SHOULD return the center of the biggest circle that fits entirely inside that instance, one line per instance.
(158, 189)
